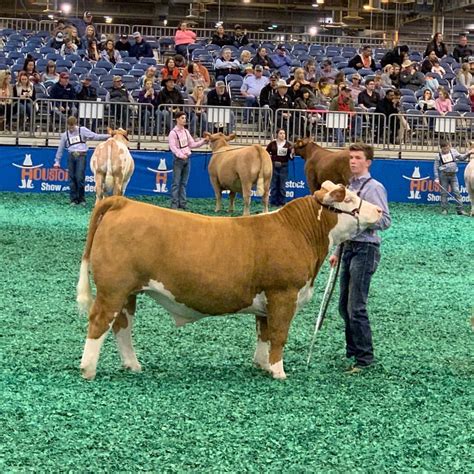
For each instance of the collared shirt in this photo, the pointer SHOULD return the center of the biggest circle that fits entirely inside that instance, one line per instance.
(375, 193)
(77, 143)
(181, 142)
(448, 164)
(253, 85)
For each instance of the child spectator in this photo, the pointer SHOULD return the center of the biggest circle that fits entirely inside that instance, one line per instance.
(443, 102)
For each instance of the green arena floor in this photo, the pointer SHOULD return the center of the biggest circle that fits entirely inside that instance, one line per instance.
(199, 405)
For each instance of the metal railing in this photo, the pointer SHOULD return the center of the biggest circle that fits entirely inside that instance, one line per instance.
(18, 23)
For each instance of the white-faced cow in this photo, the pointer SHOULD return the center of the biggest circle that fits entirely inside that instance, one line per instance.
(112, 165)
(230, 265)
(237, 170)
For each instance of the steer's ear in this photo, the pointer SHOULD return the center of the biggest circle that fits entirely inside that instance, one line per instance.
(337, 195)
(230, 137)
(207, 135)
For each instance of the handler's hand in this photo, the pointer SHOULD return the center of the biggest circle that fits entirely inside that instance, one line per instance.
(333, 259)
(56, 165)
(436, 180)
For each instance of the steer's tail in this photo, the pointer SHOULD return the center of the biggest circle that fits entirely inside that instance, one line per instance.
(84, 293)
(261, 174)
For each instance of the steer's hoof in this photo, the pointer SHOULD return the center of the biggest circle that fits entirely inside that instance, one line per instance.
(88, 374)
(277, 371)
(133, 367)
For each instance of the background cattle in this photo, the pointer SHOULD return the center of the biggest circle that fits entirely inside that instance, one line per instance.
(322, 164)
(469, 181)
(112, 165)
(237, 170)
(227, 265)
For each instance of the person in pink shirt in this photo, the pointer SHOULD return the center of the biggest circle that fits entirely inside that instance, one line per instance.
(181, 142)
(183, 39)
(443, 103)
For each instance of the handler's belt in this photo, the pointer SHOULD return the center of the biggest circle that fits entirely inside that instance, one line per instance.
(76, 154)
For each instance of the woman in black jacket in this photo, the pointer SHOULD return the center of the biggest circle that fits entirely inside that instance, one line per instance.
(437, 45)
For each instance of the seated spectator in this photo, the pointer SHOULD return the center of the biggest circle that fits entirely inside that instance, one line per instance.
(344, 103)
(437, 68)
(471, 97)
(239, 38)
(86, 90)
(397, 56)
(426, 102)
(328, 72)
(310, 70)
(443, 103)
(462, 51)
(356, 87)
(141, 49)
(63, 91)
(193, 78)
(226, 65)
(386, 76)
(325, 87)
(82, 23)
(263, 59)
(269, 90)
(245, 60)
(428, 62)
(410, 78)
(389, 106)
(431, 82)
(221, 38)
(252, 86)
(6, 94)
(379, 86)
(464, 76)
(437, 45)
(92, 51)
(340, 80)
(198, 119)
(57, 42)
(395, 76)
(368, 98)
(180, 62)
(281, 61)
(306, 101)
(150, 74)
(101, 43)
(299, 76)
(123, 44)
(68, 47)
(91, 35)
(117, 95)
(320, 98)
(29, 66)
(149, 98)
(294, 91)
(364, 60)
(201, 70)
(74, 35)
(183, 38)
(59, 27)
(471, 64)
(171, 70)
(282, 100)
(219, 96)
(110, 53)
(171, 96)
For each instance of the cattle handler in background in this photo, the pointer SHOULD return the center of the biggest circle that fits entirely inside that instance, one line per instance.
(360, 258)
(181, 142)
(74, 139)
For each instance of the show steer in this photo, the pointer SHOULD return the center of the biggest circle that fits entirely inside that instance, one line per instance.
(469, 182)
(237, 170)
(112, 165)
(322, 164)
(230, 265)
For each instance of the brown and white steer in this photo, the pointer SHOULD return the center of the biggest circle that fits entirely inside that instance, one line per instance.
(322, 164)
(469, 182)
(238, 169)
(230, 265)
(112, 165)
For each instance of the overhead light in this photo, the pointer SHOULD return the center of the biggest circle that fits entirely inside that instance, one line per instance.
(108, 19)
(51, 17)
(66, 8)
(274, 26)
(246, 1)
(320, 2)
(165, 22)
(313, 31)
(315, 5)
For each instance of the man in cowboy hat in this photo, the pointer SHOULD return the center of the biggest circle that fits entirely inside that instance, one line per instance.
(281, 100)
(410, 78)
(170, 95)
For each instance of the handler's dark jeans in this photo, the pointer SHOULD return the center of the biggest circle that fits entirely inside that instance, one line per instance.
(359, 262)
(77, 174)
(278, 185)
(446, 180)
(181, 169)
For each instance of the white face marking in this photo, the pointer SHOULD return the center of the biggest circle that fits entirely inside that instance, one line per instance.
(277, 370)
(258, 306)
(304, 295)
(262, 353)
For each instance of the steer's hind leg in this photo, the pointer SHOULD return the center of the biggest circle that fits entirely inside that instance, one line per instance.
(262, 351)
(247, 194)
(231, 201)
(122, 328)
(218, 192)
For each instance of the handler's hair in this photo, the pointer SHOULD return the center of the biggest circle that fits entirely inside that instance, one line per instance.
(368, 150)
(443, 143)
(72, 121)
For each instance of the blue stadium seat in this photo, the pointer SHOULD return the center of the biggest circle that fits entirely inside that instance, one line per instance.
(64, 63)
(461, 107)
(47, 50)
(148, 61)
(85, 64)
(53, 56)
(72, 57)
(117, 71)
(104, 64)
(460, 88)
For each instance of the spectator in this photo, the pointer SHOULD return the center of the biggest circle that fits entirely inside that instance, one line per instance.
(92, 52)
(110, 53)
(426, 102)
(269, 90)
(141, 49)
(395, 76)
(379, 86)
(471, 97)
(60, 27)
(310, 70)
(68, 47)
(320, 98)
(464, 76)
(386, 76)
(82, 24)
(281, 61)
(368, 98)
(123, 44)
(149, 98)
(344, 103)
(58, 41)
(328, 72)
(219, 96)
(364, 60)
(29, 66)
(75, 38)
(180, 62)
(101, 43)
(340, 80)
(356, 87)
(117, 95)
(198, 120)
(428, 62)
(183, 38)
(226, 65)
(389, 106)
(201, 70)
(307, 101)
(24, 90)
(193, 78)
(325, 88)
(240, 37)
(443, 102)
(150, 74)
(410, 78)
(90, 36)
(437, 45)
(87, 91)
(437, 68)
(299, 76)
(171, 70)
(282, 100)
(431, 82)
(263, 59)
(221, 38)
(63, 92)
(245, 60)
(6, 94)
(170, 96)
(251, 88)
(397, 56)
(471, 64)
(462, 51)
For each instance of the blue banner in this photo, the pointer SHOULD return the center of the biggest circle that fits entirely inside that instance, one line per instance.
(30, 169)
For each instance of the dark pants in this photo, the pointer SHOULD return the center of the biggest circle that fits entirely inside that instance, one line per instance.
(359, 262)
(181, 169)
(77, 175)
(278, 185)
(449, 180)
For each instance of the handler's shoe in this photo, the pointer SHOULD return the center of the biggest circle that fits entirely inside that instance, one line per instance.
(356, 369)
(444, 212)
(462, 213)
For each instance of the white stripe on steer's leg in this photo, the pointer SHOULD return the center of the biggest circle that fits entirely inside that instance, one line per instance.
(125, 345)
(90, 356)
(277, 370)
(262, 352)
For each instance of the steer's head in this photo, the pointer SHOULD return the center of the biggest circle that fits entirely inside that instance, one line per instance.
(216, 140)
(300, 146)
(354, 214)
(119, 133)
